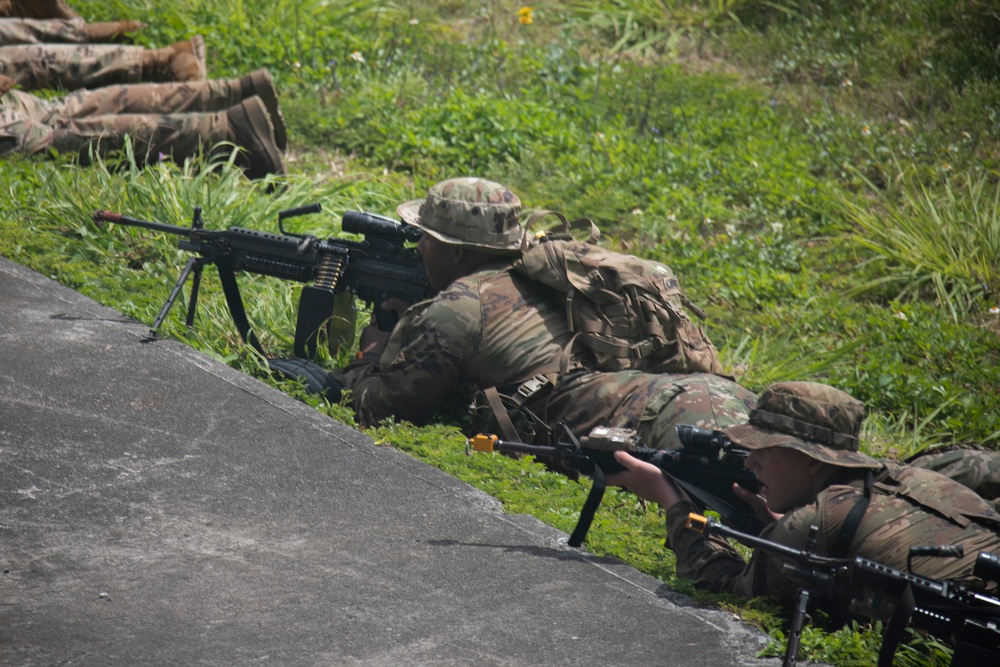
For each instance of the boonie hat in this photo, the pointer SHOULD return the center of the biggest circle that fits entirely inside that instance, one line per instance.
(818, 420)
(469, 212)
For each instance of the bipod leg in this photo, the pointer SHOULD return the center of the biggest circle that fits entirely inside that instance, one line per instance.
(195, 286)
(795, 632)
(193, 264)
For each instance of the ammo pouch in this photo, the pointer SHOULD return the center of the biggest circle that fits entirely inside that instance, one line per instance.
(504, 412)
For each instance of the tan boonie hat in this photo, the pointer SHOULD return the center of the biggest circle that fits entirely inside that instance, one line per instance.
(470, 212)
(821, 422)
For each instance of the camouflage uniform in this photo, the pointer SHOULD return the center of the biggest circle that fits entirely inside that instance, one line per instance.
(42, 31)
(71, 66)
(37, 9)
(75, 66)
(495, 328)
(175, 119)
(968, 464)
(908, 507)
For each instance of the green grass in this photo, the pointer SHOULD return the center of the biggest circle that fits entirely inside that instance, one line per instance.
(821, 175)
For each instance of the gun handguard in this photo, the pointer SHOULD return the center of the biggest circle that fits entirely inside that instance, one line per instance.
(704, 468)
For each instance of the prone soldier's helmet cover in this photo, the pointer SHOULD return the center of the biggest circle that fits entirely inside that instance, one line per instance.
(470, 212)
(818, 420)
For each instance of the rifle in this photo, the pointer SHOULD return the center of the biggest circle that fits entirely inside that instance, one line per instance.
(705, 467)
(378, 268)
(949, 610)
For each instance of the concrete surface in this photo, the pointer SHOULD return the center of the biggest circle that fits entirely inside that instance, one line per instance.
(161, 508)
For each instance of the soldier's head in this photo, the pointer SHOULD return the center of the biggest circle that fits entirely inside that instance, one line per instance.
(466, 221)
(799, 434)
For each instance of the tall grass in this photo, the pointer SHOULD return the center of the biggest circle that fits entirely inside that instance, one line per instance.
(940, 240)
(659, 25)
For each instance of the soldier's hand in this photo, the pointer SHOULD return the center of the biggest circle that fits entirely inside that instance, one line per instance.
(757, 502)
(645, 480)
(372, 339)
(396, 305)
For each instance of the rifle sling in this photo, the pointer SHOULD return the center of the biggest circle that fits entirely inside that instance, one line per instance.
(750, 522)
(589, 508)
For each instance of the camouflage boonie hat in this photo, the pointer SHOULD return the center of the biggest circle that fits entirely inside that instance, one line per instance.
(469, 212)
(821, 422)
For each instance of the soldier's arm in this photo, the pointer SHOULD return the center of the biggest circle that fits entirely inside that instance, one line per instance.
(422, 366)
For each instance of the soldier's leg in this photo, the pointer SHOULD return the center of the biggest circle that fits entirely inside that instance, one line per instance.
(173, 136)
(63, 31)
(23, 120)
(74, 66)
(42, 31)
(37, 9)
(702, 400)
(212, 95)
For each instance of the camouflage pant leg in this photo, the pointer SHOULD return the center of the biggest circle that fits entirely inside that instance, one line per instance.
(175, 136)
(37, 9)
(161, 98)
(968, 464)
(71, 66)
(23, 118)
(42, 31)
(703, 400)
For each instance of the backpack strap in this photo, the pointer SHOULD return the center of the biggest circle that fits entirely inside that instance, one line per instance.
(843, 540)
(500, 414)
(567, 226)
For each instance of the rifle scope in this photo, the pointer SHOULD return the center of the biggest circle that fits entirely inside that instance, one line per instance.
(370, 224)
(987, 567)
(699, 438)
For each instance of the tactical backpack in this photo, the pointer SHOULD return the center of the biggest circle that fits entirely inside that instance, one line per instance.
(626, 312)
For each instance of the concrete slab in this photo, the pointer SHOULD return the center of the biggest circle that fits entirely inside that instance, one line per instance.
(161, 508)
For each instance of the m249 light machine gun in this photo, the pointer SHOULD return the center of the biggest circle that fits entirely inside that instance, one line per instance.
(375, 269)
(705, 467)
(951, 611)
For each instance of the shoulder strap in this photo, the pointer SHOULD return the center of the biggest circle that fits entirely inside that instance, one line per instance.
(843, 540)
(500, 414)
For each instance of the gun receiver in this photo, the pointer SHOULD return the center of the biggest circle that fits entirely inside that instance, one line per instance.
(949, 610)
(706, 467)
(375, 269)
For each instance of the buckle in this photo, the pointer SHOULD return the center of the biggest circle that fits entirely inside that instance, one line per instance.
(529, 388)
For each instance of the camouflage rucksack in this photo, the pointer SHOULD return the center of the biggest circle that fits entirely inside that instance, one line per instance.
(627, 312)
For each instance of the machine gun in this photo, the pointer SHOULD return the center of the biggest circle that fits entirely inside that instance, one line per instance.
(705, 467)
(951, 611)
(378, 268)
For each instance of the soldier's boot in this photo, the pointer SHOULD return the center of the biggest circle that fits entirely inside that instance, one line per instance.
(183, 61)
(40, 9)
(251, 130)
(112, 31)
(259, 83)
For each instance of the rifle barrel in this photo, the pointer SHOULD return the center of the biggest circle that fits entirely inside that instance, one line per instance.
(119, 219)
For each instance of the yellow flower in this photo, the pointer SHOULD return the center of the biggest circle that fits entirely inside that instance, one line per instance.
(524, 15)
